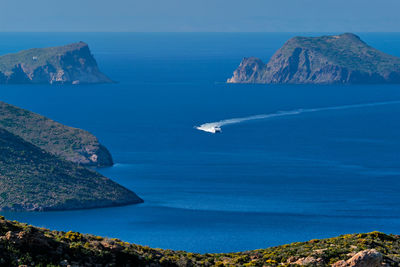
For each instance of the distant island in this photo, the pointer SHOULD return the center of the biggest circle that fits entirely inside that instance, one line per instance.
(70, 143)
(336, 59)
(25, 245)
(69, 64)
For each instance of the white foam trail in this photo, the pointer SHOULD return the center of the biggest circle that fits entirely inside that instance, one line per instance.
(215, 127)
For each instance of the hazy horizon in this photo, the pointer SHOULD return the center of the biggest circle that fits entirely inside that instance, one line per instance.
(200, 16)
(209, 32)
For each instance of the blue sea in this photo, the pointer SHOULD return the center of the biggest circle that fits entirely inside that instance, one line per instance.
(259, 183)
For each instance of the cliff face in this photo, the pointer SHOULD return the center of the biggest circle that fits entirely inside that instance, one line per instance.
(321, 60)
(32, 179)
(72, 144)
(70, 64)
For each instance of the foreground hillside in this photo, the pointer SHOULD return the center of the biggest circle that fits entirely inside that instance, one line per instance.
(71, 64)
(22, 244)
(72, 144)
(34, 180)
(341, 58)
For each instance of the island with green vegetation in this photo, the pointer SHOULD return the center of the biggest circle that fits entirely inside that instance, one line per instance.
(69, 64)
(25, 245)
(32, 179)
(71, 144)
(336, 59)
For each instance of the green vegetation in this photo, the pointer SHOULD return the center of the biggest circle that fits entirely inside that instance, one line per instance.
(23, 244)
(33, 179)
(41, 166)
(72, 144)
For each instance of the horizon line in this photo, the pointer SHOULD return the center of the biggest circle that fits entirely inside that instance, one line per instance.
(200, 32)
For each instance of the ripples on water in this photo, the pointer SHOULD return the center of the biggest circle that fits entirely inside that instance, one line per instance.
(259, 183)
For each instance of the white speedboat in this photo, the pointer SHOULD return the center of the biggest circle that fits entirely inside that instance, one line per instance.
(209, 127)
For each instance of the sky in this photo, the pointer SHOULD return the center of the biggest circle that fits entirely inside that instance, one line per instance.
(200, 15)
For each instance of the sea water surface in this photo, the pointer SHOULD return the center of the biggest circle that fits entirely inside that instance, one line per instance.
(262, 182)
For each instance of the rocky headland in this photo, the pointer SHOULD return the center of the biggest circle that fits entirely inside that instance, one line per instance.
(43, 166)
(70, 143)
(32, 179)
(69, 64)
(336, 59)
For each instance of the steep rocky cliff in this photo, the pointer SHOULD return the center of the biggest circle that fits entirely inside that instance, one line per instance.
(321, 60)
(70, 64)
(72, 144)
(32, 179)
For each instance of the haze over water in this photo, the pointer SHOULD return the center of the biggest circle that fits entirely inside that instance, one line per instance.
(259, 183)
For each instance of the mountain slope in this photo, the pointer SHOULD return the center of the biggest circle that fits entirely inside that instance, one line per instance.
(34, 180)
(321, 60)
(71, 64)
(72, 144)
(25, 244)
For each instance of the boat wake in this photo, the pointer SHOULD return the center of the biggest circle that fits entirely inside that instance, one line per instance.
(215, 127)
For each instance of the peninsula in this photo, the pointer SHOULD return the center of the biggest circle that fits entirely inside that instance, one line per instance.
(32, 179)
(69, 64)
(336, 59)
(70, 143)
(42, 166)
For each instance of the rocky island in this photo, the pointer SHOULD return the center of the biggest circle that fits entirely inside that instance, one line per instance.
(70, 143)
(69, 64)
(336, 59)
(25, 245)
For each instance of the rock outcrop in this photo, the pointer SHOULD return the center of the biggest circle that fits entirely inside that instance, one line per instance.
(338, 59)
(309, 261)
(365, 258)
(70, 64)
(70, 143)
